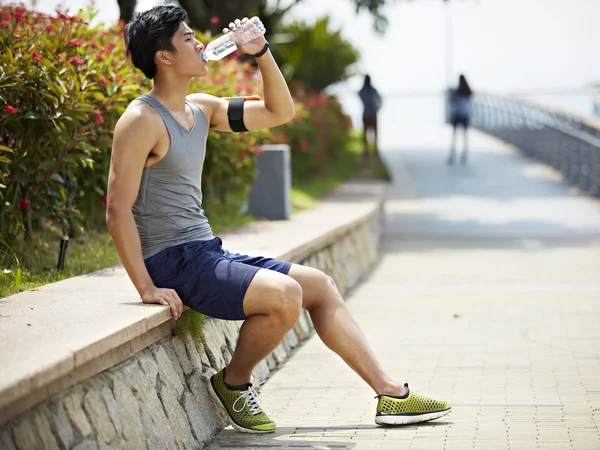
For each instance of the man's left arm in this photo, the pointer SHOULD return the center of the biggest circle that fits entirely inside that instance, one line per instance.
(276, 108)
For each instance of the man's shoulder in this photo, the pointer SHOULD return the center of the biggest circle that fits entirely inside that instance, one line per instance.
(201, 97)
(139, 114)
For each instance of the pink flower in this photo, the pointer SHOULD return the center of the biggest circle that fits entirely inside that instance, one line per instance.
(49, 28)
(303, 145)
(77, 61)
(244, 155)
(4, 25)
(74, 43)
(24, 204)
(99, 58)
(99, 117)
(214, 20)
(9, 109)
(104, 80)
(17, 36)
(104, 199)
(37, 56)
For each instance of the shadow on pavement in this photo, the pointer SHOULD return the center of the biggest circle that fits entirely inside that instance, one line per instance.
(303, 437)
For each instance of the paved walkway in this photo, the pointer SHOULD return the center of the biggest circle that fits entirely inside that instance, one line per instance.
(488, 293)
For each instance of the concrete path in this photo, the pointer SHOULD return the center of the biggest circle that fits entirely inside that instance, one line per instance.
(488, 293)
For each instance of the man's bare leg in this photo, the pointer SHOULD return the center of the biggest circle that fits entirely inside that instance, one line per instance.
(272, 303)
(339, 331)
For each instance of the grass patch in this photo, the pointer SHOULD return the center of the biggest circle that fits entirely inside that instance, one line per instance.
(27, 264)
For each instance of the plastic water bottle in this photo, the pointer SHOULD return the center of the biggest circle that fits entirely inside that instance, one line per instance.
(225, 45)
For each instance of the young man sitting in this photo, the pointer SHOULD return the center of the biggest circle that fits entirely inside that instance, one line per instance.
(165, 242)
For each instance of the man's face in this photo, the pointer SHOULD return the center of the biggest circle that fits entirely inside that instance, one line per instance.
(187, 61)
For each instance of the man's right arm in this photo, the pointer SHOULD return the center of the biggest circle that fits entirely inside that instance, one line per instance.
(134, 138)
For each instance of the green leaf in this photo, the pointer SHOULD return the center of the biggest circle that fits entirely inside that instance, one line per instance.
(56, 177)
(48, 164)
(32, 115)
(4, 148)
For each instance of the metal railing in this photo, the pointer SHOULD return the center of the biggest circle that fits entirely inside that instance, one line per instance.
(568, 143)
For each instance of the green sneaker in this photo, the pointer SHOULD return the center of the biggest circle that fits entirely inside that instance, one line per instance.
(243, 407)
(413, 407)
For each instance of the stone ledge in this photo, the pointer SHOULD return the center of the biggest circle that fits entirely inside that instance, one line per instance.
(60, 334)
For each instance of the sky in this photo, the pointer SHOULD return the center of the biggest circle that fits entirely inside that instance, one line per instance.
(539, 47)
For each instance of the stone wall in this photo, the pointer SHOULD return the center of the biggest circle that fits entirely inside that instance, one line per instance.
(158, 398)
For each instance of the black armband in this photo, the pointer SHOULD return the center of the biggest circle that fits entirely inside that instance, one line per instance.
(235, 114)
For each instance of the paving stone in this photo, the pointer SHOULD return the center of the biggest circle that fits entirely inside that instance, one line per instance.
(6, 441)
(98, 414)
(167, 346)
(86, 445)
(167, 370)
(201, 430)
(213, 341)
(111, 406)
(192, 351)
(61, 426)
(129, 412)
(73, 403)
(26, 435)
(302, 328)
(42, 423)
(212, 415)
(148, 364)
(180, 350)
(151, 432)
(156, 426)
(176, 417)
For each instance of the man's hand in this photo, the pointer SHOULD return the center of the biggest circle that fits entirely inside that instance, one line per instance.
(166, 297)
(250, 48)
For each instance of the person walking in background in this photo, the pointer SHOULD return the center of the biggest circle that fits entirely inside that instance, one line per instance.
(371, 105)
(460, 104)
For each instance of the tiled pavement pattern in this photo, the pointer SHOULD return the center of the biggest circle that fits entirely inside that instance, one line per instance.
(488, 293)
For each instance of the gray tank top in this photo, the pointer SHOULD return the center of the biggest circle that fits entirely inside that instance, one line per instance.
(168, 209)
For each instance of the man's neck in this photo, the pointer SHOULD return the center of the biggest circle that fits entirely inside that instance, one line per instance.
(171, 92)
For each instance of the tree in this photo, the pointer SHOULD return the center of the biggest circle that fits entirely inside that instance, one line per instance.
(214, 15)
(318, 57)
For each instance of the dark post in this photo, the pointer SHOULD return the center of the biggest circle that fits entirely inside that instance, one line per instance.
(64, 243)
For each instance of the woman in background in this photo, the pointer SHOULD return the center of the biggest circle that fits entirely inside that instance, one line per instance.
(461, 114)
(371, 105)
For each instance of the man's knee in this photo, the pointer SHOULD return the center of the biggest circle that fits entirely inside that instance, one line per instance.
(289, 300)
(325, 291)
(324, 282)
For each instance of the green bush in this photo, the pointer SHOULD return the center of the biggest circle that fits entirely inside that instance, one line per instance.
(63, 86)
(318, 135)
(315, 55)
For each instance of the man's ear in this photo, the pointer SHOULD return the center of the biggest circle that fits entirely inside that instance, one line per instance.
(163, 57)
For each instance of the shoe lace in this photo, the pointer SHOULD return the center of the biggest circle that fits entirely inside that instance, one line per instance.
(251, 399)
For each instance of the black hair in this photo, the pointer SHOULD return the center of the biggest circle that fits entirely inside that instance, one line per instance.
(463, 86)
(367, 82)
(150, 31)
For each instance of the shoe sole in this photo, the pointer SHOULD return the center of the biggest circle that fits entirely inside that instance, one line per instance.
(215, 396)
(395, 419)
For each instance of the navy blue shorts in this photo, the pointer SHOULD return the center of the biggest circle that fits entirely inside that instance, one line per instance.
(207, 278)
